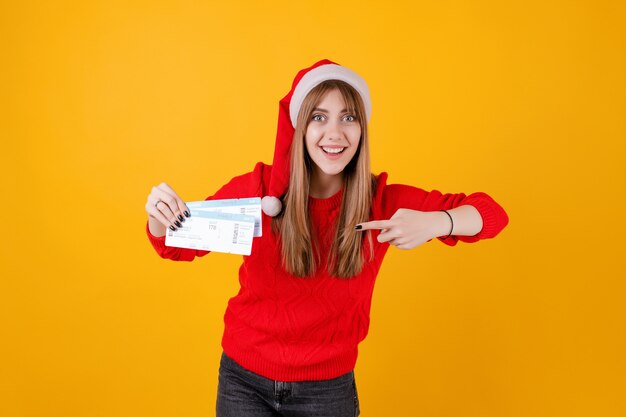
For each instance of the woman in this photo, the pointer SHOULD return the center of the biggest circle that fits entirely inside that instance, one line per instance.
(292, 332)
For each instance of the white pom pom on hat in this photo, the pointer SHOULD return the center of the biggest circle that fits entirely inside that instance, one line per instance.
(288, 110)
(271, 205)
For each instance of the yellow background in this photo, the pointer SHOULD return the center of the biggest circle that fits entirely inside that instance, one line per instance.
(102, 100)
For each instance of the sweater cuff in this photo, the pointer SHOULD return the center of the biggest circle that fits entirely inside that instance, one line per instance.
(490, 215)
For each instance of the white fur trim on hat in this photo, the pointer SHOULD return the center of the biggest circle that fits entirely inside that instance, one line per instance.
(323, 73)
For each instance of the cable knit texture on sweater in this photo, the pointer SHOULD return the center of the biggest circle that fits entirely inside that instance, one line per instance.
(304, 329)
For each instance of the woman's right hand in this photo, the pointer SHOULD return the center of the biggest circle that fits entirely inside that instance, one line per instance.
(165, 210)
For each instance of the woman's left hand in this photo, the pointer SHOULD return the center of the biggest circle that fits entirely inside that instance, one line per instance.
(408, 229)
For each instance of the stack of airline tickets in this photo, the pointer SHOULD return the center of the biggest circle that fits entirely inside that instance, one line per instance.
(219, 226)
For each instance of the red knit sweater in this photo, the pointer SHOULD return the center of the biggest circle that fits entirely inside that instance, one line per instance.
(296, 329)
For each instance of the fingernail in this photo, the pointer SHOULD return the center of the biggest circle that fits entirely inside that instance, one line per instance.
(180, 218)
(358, 227)
(177, 223)
(173, 228)
(186, 213)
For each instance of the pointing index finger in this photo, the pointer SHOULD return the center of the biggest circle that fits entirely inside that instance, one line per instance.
(376, 224)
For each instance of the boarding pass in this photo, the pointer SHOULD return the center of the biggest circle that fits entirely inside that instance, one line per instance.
(214, 231)
(249, 206)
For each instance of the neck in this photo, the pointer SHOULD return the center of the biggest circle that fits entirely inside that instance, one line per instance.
(323, 185)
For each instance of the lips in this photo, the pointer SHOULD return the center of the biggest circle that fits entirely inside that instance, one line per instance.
(333, 153)
(333, 150)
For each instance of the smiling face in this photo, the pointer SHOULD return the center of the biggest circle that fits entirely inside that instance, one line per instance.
(332, 139)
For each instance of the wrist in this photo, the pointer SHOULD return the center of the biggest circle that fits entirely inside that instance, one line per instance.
(446, 224)
(155, 227)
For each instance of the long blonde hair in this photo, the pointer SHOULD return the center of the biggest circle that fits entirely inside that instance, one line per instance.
(345, 258)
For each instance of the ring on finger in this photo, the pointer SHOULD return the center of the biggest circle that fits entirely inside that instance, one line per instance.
(157, 203)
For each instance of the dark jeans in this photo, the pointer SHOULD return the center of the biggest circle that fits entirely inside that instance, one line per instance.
(242, 393)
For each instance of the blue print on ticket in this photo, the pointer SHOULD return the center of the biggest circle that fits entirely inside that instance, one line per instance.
(249, 206)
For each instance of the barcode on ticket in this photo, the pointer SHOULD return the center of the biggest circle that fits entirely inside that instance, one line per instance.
(235, 233)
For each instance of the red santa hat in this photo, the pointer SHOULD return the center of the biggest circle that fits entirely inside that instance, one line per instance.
(288, 110)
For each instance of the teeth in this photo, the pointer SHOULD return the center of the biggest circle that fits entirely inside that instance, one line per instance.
(333, 150)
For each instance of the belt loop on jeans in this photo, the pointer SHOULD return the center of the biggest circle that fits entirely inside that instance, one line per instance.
(281, 390)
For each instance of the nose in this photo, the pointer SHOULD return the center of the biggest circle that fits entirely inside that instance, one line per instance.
(334, 131)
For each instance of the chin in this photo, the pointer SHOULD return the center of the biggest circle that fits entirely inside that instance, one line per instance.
(333, 171)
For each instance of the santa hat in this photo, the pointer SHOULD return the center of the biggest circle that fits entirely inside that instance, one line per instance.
(288, 109)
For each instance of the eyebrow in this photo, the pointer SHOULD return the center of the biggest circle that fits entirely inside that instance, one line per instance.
(326, 111)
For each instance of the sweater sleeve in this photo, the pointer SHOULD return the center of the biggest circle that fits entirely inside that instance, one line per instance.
(396, 196)
(242, 186)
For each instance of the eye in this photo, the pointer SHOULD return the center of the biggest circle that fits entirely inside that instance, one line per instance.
(317, 117)
(349, 118)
